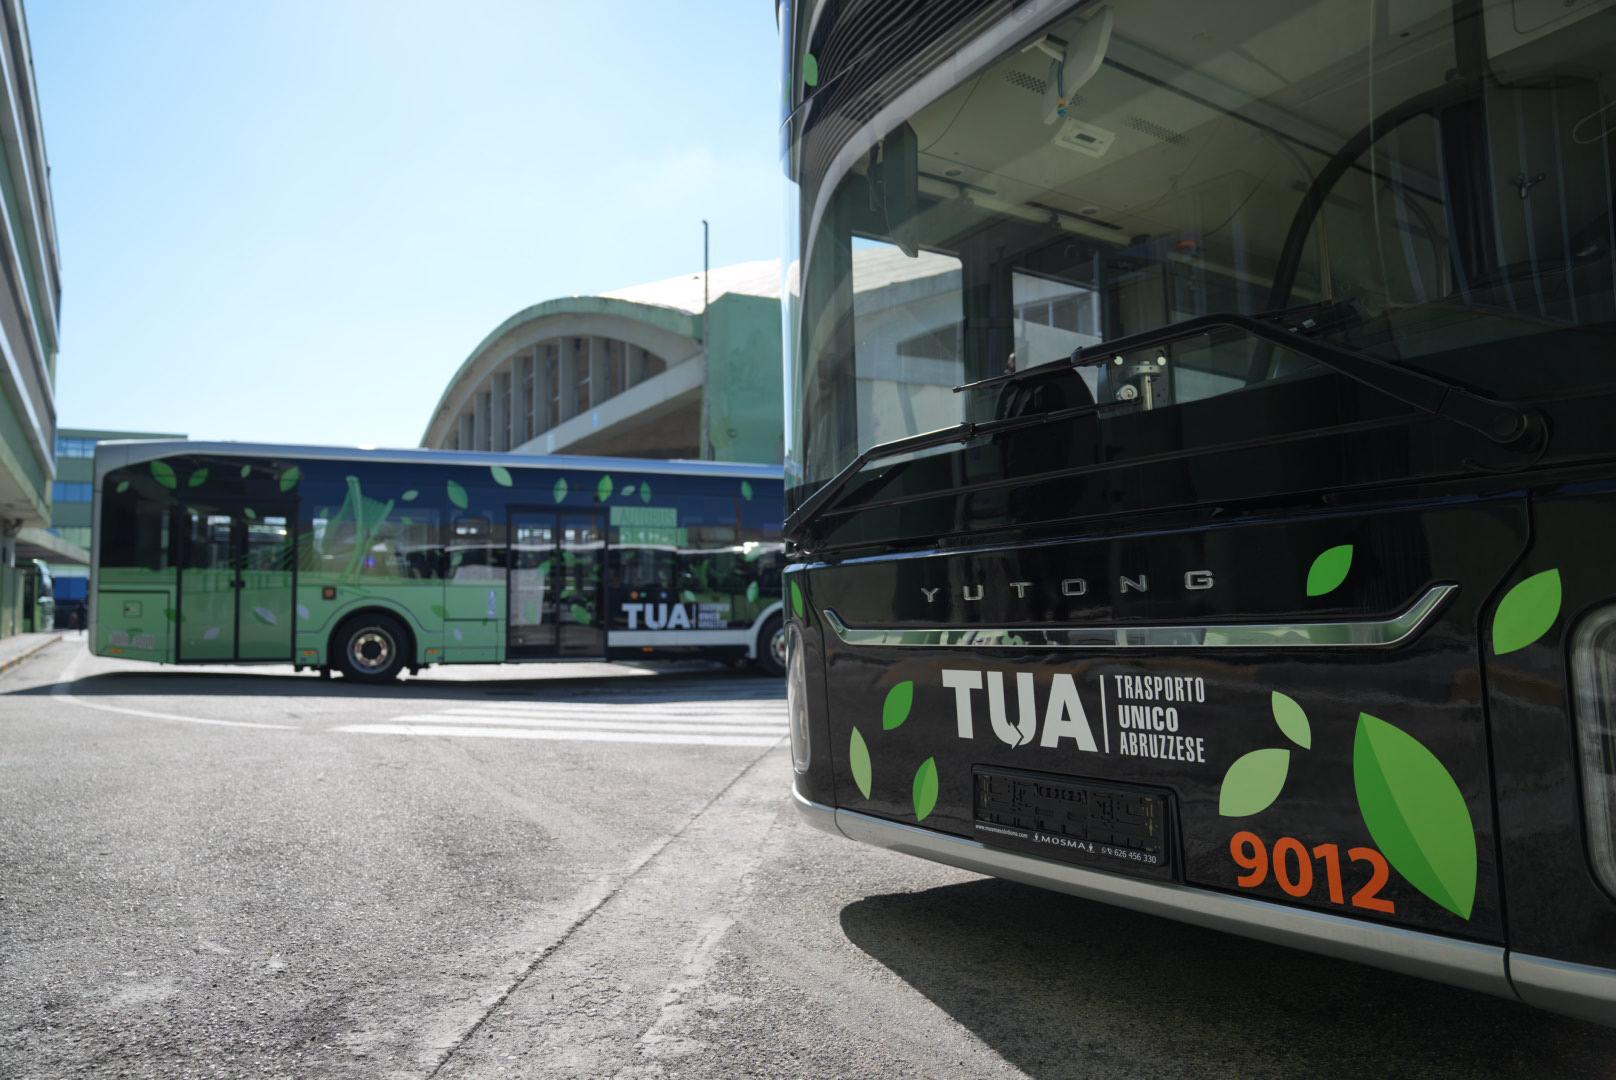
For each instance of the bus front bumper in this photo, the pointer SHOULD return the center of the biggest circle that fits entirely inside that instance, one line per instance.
(1572, 989)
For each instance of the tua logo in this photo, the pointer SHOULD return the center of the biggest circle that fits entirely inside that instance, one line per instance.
(657, 616)
(1064, 717)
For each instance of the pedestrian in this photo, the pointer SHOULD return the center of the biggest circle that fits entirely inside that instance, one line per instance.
(78, 618)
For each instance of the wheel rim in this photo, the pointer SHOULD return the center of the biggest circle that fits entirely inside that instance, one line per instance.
(371, 650)
(777, 646)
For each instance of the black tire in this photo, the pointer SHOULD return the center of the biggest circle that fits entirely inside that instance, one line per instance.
(370, 648)
(771, 653)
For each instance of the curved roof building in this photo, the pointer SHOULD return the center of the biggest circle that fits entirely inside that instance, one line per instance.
(642, 372)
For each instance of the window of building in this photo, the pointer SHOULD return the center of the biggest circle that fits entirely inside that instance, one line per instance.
(468, 432)
(580, 365)
(552, 386)
(529, 415)
(616, 368)
(502, 412)
(70, 493)
(74, 448)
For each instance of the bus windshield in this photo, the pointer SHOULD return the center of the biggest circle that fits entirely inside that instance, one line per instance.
(1390, 180)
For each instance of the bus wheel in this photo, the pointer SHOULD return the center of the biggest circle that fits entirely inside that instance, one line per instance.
(370, 648)
(771, 659)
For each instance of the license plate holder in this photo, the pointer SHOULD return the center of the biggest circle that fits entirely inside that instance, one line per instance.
(1123, 828)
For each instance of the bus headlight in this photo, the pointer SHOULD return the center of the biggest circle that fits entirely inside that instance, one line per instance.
(1593, 671)
(797, 698)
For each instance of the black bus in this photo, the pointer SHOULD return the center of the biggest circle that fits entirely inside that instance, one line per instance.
(1199, 434)
(373, 562)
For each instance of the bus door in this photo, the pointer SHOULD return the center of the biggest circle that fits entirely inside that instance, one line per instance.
(557, 565)
(236, 583)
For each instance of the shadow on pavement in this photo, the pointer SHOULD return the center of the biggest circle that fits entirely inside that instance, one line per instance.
(666, 685)
(1063, 987)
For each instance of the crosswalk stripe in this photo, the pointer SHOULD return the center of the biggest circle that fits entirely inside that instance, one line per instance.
(571, 724)
(647, 717)
(669, 738)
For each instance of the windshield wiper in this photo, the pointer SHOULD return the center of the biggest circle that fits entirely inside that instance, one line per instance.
(1501, 422)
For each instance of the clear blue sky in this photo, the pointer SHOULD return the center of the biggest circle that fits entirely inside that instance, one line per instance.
(291, 221)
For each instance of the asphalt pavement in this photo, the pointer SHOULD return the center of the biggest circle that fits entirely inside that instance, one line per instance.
(588, 871)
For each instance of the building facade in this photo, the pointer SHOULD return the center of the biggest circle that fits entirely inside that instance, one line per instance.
(72, 509)
(30, 303)
(650, 371)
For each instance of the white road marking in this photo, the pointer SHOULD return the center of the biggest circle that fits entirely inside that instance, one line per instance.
(472, 719)
(59, 692)
(453, 730)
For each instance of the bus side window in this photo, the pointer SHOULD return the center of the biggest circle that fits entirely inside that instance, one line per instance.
(473, 552)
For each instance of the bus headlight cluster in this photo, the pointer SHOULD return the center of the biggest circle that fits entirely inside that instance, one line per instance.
(797, 698)
(1593, 670)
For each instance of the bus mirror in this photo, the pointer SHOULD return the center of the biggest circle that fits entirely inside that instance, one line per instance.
(899, 180)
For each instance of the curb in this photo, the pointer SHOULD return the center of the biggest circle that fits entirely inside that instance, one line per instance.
(7, 665)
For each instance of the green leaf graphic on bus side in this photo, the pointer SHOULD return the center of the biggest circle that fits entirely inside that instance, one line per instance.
(895, 710)
(1253, 782)
(925, 792)
(688, 597)
(410, 495)
(457, 494)
(245, 470)
(1329, 570)
(645, 492)
(123, 486)
(751, 592)
(163, 473)
(440, 611)
(1416, 813)
(746, 490)
(810, 70)
(581, 615)
(290, 477)
(560, 489)
(171, 615)
(628, 491)
(1292, 720)
(252, 515)
(604, 489)
(1526, 612)
(858, 760)
(501, 475)
(198, 478)
(796, 600)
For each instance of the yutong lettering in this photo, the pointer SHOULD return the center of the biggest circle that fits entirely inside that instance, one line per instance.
(1194, 581)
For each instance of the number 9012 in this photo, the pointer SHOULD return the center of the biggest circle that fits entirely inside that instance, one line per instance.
(1292, 867)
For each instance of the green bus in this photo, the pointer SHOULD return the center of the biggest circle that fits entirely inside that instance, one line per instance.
(372, 562)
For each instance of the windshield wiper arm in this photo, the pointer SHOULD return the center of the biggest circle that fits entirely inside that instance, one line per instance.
(1502, 422)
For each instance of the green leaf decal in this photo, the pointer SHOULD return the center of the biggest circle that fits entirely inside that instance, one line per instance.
(171, 615)
(581, 615)
(925, 789)
(796, 600)
(457, 494)
(245, 471)
(163, 473)
(604, 489)
(688, 597)
(440, 611)
(123, 486)
(1253, 782)
(197, 479)
(290, 477)
(1526, 612)
(501, 475)
(410, 495)
(1292, 720)
(645, 492)
(858, 759)
(1329, 570)
(810, 70)
(1416, 814)
(895, 710)
(751, 592)
(628, 491)
(252, 515)
(746, 490)
(560, 489)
